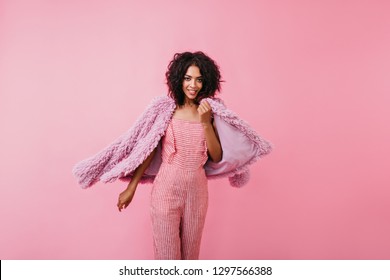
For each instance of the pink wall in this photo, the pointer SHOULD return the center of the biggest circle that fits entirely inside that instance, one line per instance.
(311, 76)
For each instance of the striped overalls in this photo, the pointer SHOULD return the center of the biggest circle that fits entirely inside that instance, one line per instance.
(179, 196)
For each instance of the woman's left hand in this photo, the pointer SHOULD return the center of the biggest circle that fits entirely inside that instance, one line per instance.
(204, 111)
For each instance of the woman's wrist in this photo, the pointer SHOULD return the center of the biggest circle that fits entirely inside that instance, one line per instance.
(131, 186)
(207, 125)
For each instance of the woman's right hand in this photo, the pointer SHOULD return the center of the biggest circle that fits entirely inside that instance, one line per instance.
(125, 198)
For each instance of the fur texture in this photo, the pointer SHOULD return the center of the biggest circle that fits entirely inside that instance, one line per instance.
(119, 159)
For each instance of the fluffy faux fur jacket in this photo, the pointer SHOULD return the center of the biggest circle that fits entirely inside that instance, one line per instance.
(241, 147)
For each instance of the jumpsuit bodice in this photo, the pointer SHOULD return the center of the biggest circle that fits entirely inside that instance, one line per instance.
(184, 144)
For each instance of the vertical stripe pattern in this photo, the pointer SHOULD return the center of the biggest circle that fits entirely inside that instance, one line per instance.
(179, 197)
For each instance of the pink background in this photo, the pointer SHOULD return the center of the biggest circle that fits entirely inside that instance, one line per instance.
(310, 76)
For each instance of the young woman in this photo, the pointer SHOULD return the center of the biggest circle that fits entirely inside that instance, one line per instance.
(179, 142)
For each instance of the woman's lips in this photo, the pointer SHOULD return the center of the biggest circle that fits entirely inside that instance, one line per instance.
(192, 92)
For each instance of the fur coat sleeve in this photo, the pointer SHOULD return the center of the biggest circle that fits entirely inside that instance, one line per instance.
(241, 147)
(126, 153)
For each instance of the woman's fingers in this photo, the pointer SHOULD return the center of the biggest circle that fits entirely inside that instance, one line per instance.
(205, 105)
(204, 109)
(120, 203)
(124, 200)
(120, 206)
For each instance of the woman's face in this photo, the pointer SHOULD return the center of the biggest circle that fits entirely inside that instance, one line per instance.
(192, 83)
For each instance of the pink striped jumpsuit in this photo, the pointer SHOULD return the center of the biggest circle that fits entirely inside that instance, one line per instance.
(179, 196)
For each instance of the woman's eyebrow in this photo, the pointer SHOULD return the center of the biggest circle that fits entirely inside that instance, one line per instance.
(191, 76)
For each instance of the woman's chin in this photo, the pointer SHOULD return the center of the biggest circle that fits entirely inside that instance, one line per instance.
(191, 96)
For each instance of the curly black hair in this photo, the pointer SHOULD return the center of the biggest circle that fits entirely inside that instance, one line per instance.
(177, 68)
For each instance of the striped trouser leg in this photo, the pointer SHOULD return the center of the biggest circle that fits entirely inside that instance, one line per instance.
(166, 212)
(178, 210)
(193, 219)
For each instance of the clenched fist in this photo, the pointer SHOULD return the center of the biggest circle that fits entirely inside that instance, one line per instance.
(204, 111)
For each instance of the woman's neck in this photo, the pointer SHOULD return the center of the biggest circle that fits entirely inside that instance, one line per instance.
(189, 103)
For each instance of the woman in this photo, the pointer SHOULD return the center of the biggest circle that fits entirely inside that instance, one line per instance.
(176, 144)
(179, 196)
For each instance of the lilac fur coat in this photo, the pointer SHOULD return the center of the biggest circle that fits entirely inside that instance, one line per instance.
(241, 147)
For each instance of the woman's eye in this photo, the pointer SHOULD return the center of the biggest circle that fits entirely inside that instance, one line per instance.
(187, 79)
(200, 80)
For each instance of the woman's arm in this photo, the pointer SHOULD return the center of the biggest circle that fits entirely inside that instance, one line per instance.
(126, 196)
(213, 144)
